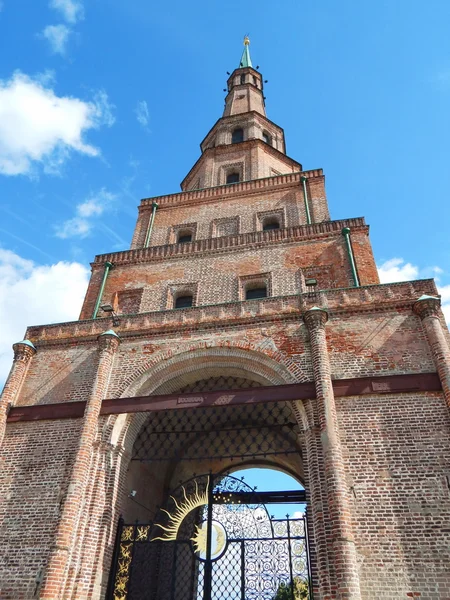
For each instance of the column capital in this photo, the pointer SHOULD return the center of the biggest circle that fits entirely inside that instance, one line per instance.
(24, 351)
(108, 341)
(427, 306)
(315, 318)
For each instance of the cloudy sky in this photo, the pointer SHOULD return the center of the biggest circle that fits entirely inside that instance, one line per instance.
(103, 103)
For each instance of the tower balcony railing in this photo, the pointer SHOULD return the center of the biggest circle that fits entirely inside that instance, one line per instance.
(337, 301)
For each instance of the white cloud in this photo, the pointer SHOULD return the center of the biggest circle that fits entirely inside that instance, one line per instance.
(396, 269)
(298, 514)
(142, 113)
(81, 225)
(33, 294)
(37, 126)
(71, 10)
(57, 36)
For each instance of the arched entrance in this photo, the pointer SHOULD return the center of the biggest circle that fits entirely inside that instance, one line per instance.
(214, 538)
(184, 458)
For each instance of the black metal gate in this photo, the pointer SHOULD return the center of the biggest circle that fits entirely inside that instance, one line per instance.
(214, 540)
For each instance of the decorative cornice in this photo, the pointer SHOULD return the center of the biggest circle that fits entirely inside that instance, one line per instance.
(108, 341)
(24, 351)
(427, 306)
(228, 190)
(373, 298)
(232, 242)
(315, 318)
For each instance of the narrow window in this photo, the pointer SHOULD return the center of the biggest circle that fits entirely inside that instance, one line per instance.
(254, 293)
(255, 81)
(183, 302)
(270, 224)
(183, 238)
(233, 178)
(242, 79)
(267, 139)
(237, 136)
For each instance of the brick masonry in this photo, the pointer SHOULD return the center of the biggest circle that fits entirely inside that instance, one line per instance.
(375, 467)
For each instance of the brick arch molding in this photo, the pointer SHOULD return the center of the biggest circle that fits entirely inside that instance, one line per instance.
(159, 373)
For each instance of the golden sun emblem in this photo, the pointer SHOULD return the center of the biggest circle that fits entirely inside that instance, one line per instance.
(181, 511)
(199, 539)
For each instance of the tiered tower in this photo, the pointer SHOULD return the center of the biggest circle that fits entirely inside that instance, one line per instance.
(239, 284)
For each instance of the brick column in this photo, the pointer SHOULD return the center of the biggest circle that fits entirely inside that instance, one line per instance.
(56, 573)
(346, 581)
(429, 310)
(23, 353)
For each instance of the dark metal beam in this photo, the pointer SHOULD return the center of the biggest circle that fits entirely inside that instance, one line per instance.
(289, 497)
(387, 384)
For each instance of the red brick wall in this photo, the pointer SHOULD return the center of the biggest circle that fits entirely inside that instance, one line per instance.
(62, 374)
(396, 450)
(35, 461)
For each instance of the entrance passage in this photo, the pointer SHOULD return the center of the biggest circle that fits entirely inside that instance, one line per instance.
(214, 540)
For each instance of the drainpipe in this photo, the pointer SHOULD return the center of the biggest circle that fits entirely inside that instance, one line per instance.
(108, 266)
(346, 234)
(305, 195)
(150, 227)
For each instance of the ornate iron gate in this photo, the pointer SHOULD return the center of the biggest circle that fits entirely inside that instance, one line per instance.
(214, 540)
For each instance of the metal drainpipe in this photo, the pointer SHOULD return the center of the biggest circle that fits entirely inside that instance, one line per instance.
(108, 266)
(346, 234)
(150, 227)
(305, 194)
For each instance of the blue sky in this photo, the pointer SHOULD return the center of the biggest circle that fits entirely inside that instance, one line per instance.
(103, 103)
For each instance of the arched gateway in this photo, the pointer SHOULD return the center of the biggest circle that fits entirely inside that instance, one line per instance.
(212, 535)
(242, 328)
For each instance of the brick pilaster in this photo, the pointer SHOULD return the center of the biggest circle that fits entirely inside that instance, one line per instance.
(343, 553)
(429, 310)
(53, 587)
(23, 353)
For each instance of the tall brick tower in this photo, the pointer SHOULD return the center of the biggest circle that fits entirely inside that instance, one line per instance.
(242, 328)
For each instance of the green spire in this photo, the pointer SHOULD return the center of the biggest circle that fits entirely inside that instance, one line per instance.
(246, 61)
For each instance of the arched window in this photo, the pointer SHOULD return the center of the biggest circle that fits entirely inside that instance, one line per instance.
(237, 136)
(184, 301)
(266, 137)
(271, 223)
(233, 178)
(184, 237)
(256, 292)
(242, 79)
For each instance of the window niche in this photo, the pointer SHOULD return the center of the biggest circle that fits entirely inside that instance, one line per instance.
(233, 177)
(225, 226)
(237, 135)
(254, 287)
(270, 219)
(270, 223)
(183, 295)
(183, 233)
(267, 138)
(184, 301)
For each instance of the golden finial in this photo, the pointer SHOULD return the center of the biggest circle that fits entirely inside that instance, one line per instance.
(246, 40)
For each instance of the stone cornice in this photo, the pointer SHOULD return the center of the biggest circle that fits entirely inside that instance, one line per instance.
(255, 239)
(229, 191)
(372, 298)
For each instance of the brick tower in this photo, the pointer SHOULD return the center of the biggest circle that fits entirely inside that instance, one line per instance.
(243, 327)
